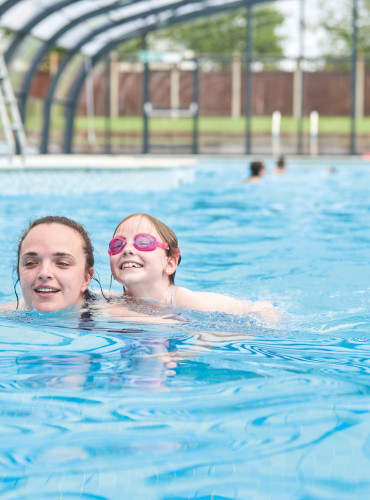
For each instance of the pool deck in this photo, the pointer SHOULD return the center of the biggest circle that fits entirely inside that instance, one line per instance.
(138, 162)
(94, 162)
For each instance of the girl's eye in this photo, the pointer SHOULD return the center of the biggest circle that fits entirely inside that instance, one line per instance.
(63, 264)
(118, 243)
(29, 263)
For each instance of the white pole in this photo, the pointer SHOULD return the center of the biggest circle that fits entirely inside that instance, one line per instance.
(314, 132)
(275, 133)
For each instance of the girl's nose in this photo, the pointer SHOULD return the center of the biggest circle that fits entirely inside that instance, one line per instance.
(45, 271)
(129, 247)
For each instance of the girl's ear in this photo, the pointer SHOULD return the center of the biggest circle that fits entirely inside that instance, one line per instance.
(171, 265)
(88, 278)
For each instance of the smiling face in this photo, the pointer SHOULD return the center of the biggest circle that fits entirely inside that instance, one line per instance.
(143, 273)
(52, 268)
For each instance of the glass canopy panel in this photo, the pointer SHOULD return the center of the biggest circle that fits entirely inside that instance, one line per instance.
(143, 7)
(18, 16)
(165, 16)
(189, 9)
(21, 61)
(95, 45)
(214, 3)
(84, 6)
(131, 28)
(50, 25)
(63, 17)
(72, 37)
(5, 41)
(121, 33)
(69, 76)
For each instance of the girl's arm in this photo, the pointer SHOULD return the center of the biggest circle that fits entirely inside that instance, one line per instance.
(208, 301)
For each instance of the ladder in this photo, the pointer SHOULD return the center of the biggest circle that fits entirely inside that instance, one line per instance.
(9, 115)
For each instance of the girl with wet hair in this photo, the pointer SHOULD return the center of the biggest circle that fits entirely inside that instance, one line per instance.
(55, 264)
(144, 255)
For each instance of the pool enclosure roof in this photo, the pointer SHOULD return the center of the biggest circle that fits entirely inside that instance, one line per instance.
(90, 25)
(89, 28)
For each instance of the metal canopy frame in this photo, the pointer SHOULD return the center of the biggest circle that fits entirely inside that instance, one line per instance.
(102, 20)
(75, 90)
(148, 16)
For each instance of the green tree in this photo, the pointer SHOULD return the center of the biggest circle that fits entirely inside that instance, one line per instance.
(226, 33)
(337, 23)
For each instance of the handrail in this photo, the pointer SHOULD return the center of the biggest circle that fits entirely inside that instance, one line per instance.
(189, 112)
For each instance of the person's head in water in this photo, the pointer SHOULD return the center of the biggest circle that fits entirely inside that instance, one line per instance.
(280, 165)
(257, 170)
(55, 264)
(143, 253)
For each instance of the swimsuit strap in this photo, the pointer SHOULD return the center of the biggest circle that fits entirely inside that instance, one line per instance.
(173, 301)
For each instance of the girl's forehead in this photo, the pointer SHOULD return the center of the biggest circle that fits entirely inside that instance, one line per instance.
(53, 235)
(136, 225)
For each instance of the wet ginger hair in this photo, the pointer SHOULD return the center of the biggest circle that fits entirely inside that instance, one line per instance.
(165, 233)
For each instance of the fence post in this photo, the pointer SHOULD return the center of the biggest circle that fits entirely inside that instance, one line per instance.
(360, 86)
(236, 75)
(114, 86)
(175, 91)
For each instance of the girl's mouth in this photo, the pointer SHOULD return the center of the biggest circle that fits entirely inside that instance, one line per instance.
(46, 290)
(128, 265)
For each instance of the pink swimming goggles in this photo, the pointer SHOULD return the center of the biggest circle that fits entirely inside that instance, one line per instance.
(142, 242)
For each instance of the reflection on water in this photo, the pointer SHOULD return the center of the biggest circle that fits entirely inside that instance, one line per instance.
(93, 409)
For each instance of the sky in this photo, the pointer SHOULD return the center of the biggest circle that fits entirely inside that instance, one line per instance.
(313, 37)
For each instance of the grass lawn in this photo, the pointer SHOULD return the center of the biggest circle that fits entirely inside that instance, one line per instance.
(217, 124)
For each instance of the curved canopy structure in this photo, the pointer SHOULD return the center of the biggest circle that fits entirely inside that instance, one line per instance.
(85, 28)
(66, 23)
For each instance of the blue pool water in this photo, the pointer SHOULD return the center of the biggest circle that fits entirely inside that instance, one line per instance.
(89, 407)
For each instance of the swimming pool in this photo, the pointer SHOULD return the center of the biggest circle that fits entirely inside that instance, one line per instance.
(252, 410)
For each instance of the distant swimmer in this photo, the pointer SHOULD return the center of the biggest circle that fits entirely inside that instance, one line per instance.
(258, 170)
(280, 166)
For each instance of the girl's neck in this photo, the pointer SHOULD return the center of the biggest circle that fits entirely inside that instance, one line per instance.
(162, 294)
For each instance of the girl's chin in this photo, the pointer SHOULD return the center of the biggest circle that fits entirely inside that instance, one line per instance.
(57, 311)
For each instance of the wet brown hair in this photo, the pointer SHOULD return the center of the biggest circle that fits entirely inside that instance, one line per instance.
(87, 245)
(165, 233)
(256, 167)
(281, 162)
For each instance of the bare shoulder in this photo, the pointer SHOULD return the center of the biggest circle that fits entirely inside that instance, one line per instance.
(191, 300)
(9, 306)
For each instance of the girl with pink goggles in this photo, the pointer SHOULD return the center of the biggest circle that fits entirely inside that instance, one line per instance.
(153, 278)
(143, 242)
